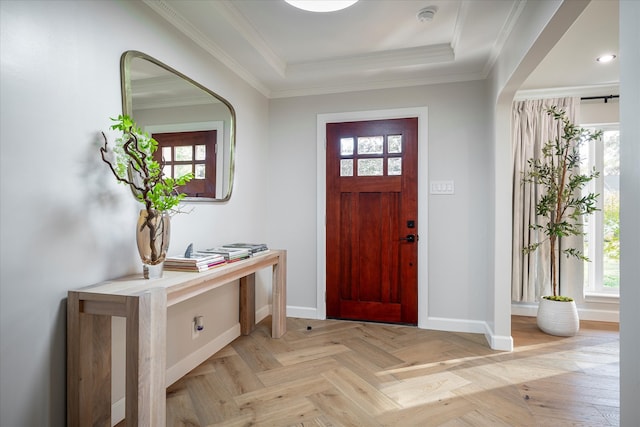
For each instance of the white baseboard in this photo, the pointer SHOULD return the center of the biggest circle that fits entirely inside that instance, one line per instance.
(302, 312)
(597, 315)
(117, 412)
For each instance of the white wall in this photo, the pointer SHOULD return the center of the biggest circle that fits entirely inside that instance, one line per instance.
(457, 232)
(629, 213)
(64, 223)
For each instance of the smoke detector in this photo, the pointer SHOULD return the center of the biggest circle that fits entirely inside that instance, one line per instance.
(426, 14)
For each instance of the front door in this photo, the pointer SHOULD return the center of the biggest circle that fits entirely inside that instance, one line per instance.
(372, 220)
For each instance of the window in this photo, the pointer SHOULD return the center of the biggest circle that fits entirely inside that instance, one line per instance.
(182, 152)
(602, 239)
(371, 156)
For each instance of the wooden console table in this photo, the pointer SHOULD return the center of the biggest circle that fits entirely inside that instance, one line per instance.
(144, 304)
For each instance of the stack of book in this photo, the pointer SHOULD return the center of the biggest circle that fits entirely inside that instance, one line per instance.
(254, 248)
(198, 261)
(229, 254)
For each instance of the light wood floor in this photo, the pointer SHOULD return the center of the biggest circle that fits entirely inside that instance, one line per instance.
(341, 373)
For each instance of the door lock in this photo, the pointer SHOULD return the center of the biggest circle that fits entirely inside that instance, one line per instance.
(410, 238)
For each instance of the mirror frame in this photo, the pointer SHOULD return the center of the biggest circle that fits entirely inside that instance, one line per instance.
(127, 109)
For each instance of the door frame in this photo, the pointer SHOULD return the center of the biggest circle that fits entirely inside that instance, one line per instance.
(321, 262)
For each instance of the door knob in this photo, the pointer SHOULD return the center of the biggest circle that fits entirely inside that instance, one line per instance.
(410, 238)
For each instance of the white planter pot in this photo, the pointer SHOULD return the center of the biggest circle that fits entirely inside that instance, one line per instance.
(558, 318)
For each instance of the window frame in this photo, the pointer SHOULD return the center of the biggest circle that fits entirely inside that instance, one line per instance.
(594, 271)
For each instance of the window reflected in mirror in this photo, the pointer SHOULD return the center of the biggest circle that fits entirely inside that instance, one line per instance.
(194, 127)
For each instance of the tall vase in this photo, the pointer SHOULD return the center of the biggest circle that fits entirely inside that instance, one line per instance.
(152, 236)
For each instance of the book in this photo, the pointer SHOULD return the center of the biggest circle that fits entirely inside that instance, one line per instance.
(252, 247)
(198, 261)
(229, 254)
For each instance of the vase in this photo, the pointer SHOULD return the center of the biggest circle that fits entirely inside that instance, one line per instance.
(152, 237)
(558, 318)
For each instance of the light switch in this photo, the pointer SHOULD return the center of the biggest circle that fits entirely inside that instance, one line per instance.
(442, 187)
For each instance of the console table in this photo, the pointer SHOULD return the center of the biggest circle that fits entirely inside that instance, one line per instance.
(144, 304)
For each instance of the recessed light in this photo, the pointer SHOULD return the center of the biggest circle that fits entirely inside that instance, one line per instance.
(606, 58)
(321, 5)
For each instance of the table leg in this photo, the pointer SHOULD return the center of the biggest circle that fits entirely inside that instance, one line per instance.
(146, 359)
(279, 297)
(247, 304)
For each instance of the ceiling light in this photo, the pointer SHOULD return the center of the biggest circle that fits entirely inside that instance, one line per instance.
(606, 58)
(321, 5)
(427, 13)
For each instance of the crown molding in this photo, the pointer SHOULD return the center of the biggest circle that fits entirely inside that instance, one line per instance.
(504, 34)
(246, 30)
(423, 55)
(178, 21)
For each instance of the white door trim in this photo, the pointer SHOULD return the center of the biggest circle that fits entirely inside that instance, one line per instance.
(322, 120)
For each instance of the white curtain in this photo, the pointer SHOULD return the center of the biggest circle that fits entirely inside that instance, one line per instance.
(532, 127)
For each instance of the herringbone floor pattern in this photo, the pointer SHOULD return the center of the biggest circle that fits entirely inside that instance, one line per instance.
(337, 373)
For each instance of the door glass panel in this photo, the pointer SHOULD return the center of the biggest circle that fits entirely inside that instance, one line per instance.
(184, 153)
(394, 143)
(201, 152)
(200, 171)
(370, 167)
(166, 170)
(346, 146)
(182, 170)
(370, 144)
(394, 166)
(346, 167)
(166, 154)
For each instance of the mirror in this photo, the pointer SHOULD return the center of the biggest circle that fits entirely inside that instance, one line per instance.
(176, 111)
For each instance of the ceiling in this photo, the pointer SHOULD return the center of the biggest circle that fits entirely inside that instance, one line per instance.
(283, 51)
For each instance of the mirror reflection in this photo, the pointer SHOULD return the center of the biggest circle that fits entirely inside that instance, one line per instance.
(195, 127)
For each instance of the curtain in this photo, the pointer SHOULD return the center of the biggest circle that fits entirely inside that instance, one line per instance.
(532, 127)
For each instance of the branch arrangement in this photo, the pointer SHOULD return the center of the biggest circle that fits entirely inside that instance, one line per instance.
(133, 164)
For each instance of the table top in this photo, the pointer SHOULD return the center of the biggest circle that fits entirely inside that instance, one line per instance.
(177, 283)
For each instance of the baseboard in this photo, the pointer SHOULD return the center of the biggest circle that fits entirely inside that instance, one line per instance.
(302, 312)
(117, 412)
(531, 310)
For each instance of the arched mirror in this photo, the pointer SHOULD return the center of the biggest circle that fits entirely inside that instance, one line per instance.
(194, 126)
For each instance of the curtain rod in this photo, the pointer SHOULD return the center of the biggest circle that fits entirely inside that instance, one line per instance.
(606, 98)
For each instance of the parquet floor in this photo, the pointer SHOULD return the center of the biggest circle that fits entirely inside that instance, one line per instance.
(340, 373)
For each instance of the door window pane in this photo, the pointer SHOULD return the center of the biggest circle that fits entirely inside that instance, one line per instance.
(184, 153)
(370, 167)
(181, 170)
(394, 143)
(346, 146)
(200, 171)
(346, 167)
(166, 154)
(394, 166)
(167, 171)
(201, 152)
(370, 144)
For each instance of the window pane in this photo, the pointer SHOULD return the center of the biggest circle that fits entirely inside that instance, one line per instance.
(166, 154)
(184, 153)
(182, 170)
(200, 171)
(166, 170)
(611, 210)
(346, 167)
(394, 143)
(394, 166)
(370, 144)
(346, 146)
(370, 167)
(201, 152)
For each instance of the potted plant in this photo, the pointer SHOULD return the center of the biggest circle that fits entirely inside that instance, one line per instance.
(131, 162)
(561, 207)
